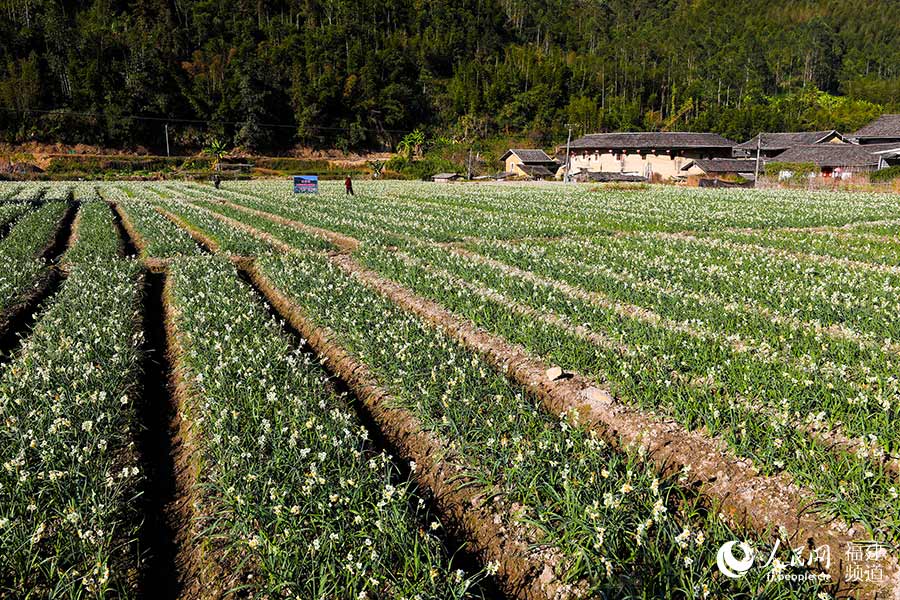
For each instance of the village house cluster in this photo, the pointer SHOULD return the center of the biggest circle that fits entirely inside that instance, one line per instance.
(675, 156)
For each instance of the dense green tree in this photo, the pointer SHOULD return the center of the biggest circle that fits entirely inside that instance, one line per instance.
(362, 73)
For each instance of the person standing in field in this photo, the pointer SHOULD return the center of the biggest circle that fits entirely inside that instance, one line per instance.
(348, 186)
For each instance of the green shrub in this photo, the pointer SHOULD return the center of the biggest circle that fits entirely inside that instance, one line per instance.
(800, 172)
(296, 166)
(889, 174)
(774, 168)
(420, 169)
(87, 165)
(299, 166)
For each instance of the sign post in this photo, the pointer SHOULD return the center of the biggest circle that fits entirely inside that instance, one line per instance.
(306, 184)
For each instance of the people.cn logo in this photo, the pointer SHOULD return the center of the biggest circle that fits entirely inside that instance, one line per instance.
(729, 564)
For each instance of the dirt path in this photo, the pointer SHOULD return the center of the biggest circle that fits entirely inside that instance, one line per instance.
(128, 231)
(127, 246)
(161, 576)
(174, 566)
(167, 515)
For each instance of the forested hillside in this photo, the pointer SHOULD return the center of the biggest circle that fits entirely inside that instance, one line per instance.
(359, 73)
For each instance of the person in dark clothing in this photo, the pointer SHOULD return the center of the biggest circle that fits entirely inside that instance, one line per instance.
(348, 186)
(217, 181)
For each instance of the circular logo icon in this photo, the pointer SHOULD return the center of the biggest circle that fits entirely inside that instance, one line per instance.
(729, 564)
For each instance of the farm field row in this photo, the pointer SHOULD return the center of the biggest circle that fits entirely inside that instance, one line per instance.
(514, 435)
(358, 405)
(502, 211)
(70, 479)
(858, 483)
(72, 522)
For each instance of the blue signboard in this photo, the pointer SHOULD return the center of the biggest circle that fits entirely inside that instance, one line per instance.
(306, 184)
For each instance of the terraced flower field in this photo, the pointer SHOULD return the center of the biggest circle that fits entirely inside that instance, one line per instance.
(461, 391)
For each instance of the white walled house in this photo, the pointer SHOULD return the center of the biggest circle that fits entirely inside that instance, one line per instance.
(661, 154)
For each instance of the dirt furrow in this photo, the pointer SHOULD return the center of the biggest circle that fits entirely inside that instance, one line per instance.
(62, 236)
(456, 548)
(835, 439)
(157, 445)
(197, 576)
(735, 343)
(526, 569)
(761, 501)
(72, 238)
(18, 318)
(127, 235)
(134, 235)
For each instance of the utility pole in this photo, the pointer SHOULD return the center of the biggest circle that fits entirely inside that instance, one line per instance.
(167, 139)
(566, 177)
(758, 148)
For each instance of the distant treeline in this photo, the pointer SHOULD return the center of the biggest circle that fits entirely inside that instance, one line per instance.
(360, 73)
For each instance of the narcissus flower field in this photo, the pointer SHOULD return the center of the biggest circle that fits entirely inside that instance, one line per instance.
(448, 391)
